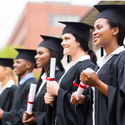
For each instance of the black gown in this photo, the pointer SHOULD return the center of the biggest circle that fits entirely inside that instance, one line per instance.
(40, 109)
(111, 110)
(14, 116)
(64, 113)
(108, 110)
(6, 98)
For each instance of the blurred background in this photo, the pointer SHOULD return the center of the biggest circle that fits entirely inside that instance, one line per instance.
(22, 21)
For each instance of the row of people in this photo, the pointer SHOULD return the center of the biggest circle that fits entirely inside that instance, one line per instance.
(56, 103)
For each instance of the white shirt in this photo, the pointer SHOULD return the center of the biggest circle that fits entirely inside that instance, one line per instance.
(43, 77)
(73, 63)
(8, 85)
(100, 63)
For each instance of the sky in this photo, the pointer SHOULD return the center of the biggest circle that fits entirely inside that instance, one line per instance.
(11, 10)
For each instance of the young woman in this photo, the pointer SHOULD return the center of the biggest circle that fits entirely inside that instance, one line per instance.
(109, 82)
(47, 49)
(75, 38)
(8, 83)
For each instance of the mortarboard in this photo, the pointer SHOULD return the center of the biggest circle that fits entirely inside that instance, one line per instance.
(26, 54)
(77, 28)
(7, 62)
(52, 43)
(113, 12)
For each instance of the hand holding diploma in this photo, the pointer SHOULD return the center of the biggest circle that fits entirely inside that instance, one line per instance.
(31, 97)
(83, 86)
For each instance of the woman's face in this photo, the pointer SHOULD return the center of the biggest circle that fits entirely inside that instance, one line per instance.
(3, 73)
(42, 57)
(69, 44)
(103, 34)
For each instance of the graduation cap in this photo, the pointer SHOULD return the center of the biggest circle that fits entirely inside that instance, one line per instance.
(7, 62)
(113, 12)
(52, 43)
(27, 54)
(77, 28)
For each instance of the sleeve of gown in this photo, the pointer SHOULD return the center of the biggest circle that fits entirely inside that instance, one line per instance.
(116, 97)
(66, 111)
(13, 117)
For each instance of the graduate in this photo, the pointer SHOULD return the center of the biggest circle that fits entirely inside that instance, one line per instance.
(75, 38)
(8, 83)
(48, 48)
(23, 67)
(109, 82)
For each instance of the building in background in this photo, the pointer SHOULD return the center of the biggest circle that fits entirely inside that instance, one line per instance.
(42, 18)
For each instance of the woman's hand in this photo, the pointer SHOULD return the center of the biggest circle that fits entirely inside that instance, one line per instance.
(91, 80)
(52, 88)
(1, 113)
(77, 100)
(28, 118)
(49, 98)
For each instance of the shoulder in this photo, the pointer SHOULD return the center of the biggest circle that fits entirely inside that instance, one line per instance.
(86, 63)
(31, 80)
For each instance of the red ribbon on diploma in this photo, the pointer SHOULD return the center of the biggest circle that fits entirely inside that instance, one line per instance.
(50, 79)
(82, 86)
(28, 100)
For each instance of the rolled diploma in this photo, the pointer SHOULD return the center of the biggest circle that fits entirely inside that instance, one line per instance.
(80, 89)
(31, 97)
(52, 67)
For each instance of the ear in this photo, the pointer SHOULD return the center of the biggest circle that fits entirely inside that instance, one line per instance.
(115, 31)
(28, 65)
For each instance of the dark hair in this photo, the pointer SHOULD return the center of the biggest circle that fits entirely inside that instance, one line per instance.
(85, 47)
(121, 33)
(58, 64)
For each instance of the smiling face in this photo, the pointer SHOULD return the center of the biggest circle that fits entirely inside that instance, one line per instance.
(20, 67)
(103, 34)
(69, 44)
(42, 57)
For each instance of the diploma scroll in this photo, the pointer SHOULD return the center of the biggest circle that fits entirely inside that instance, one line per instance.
(83, 86)
(52, 69)
(31, 97)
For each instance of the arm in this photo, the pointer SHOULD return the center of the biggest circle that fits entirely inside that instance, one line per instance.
(93, 80)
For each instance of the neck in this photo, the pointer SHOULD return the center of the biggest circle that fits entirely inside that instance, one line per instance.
(112, 47)
(78, 54)
(23, 75)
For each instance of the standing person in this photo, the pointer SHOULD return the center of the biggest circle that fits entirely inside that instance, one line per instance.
(8, 83)
(50, 47)
(23, 67)
(75, 38)
(109, 82)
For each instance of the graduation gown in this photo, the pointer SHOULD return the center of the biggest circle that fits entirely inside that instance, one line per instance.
(14, 116)
(40, 109)
(111, 110)
(7, 97)
(64, 113)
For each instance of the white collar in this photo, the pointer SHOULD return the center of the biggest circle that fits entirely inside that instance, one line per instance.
(105, 58)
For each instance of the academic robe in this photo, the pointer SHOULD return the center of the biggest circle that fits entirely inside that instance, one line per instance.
(7, 97)
(108, 110)
(64, 113)
(40, 109)
(14, 116)
(111, 110)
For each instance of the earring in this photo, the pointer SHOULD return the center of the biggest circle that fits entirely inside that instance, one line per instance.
(113, 34)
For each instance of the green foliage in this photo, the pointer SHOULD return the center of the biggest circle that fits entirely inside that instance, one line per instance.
(8, 52)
